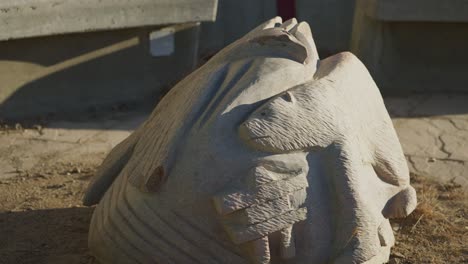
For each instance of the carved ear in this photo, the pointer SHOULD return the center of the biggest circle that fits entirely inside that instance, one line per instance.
(155, 180)
(288, 97)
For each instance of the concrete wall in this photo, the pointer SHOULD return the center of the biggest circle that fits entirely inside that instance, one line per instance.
(234, 19)
(75, 72)
(51, 63)
(330, 20)
(423, 53)
(33, 18)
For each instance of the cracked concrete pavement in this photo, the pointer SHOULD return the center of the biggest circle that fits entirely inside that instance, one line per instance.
(433, 130)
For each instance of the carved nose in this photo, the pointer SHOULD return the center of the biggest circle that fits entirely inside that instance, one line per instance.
(402, 204)
(244, 132)
(370, 244)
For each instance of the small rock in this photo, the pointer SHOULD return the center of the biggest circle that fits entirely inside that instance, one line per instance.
(39, 175)
(397, 255)
(445, 196)
(55, 186)
(76, 170)
(396, 227)
(39, 129)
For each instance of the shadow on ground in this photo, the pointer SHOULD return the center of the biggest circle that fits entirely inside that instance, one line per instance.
(428, 105)
(49, 236)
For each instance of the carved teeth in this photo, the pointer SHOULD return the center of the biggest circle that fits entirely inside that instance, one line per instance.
(261, 212)
(261, 175)
(233, 201)
(240, 233)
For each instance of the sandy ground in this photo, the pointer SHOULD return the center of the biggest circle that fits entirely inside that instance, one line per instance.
(41, 220)
(44, 171)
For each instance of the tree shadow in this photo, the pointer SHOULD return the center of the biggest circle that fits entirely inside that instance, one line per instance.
(84, 74)
(428, 105)
(45, 236)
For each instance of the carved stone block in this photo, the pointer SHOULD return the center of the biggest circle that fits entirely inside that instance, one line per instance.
(265, 154)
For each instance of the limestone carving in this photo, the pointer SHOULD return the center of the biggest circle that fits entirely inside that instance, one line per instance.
(265, 154)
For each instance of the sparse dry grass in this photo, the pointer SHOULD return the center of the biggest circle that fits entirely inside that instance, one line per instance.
(437, 231)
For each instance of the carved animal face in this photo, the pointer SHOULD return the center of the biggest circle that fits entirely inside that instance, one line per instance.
(190, 144)
(358, 176)
(292, 121)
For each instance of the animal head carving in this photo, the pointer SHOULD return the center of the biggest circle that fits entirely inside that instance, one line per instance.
(320, 172)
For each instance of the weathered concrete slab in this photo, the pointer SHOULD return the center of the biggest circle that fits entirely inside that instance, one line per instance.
(433, 131)
(418, 10)
(31, 18)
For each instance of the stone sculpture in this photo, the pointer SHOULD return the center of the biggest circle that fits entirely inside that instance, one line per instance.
(265, 154)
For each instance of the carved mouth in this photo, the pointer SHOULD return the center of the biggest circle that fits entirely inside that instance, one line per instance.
(259, 137)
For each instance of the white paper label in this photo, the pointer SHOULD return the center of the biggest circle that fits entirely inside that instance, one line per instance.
(162, 42)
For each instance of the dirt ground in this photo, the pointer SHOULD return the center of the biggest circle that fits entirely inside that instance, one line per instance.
(41, 217)
(42, 221)
(437, 231)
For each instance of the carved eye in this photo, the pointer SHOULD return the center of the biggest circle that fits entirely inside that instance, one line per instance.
(263, 114)
(288, 97)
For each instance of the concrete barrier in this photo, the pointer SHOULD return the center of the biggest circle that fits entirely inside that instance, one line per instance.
(31, 18)
(331, 22)
(60, 57)
(413, 45)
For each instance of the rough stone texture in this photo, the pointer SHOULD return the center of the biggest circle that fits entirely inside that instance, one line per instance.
(264, 107)
(230, 202)
(434, 134)
(241, 234)
(409, 47)
(59, 75)
(32, 18)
